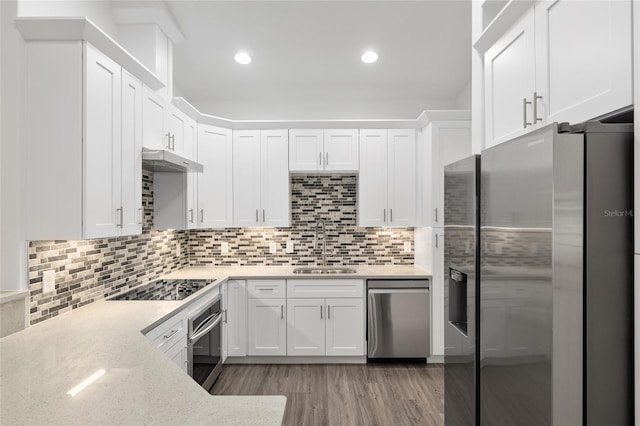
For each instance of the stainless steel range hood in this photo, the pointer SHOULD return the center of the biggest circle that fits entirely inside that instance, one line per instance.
(159, 160)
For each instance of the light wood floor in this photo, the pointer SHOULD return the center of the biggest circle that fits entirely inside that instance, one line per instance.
(336, 395)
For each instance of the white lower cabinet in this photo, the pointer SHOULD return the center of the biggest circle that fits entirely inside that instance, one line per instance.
(345, 327)
(306, 327)
(171, 338)
(267, 327)
(235, 316)
(325, 326)
(266, 319)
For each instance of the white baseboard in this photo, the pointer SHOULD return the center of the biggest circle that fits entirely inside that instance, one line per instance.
(296, 360)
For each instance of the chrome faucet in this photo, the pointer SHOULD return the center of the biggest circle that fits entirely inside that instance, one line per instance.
(324, 241)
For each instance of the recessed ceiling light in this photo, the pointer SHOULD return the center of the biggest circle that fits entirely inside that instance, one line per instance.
(369, 57)
(242, 58)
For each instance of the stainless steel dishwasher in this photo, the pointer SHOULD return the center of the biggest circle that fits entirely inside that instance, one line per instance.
(398, 319)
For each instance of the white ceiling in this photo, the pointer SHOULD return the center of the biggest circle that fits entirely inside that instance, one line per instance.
(309, 51)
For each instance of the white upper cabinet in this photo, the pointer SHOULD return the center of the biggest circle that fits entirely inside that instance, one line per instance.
(214, 184)
(563, 60)
(132, 213)
(191, 151)
(509, 70)
(306, 150)
(387, 182)
(81, 114)
(583, 58)
(372, 182)
(246, 178)
(401, 170)
(155, 133)
(178, 123)
(103, 148)
(274, 182)
(323, 150)
(341, 150)
(260, 178)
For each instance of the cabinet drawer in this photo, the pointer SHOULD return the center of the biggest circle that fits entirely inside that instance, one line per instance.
(325, 288)
(169, 332)
(266, 289)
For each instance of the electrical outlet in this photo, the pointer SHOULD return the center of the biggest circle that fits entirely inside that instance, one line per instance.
(48, 281)
(273, 248)
(290, 248)
(407, 246)
(224, 247)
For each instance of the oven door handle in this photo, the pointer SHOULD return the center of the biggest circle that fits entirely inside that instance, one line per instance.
(206, 326)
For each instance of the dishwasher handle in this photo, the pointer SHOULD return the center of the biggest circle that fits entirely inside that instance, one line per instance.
(399, 291)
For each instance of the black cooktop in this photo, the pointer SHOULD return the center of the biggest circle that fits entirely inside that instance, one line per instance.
(164, 290)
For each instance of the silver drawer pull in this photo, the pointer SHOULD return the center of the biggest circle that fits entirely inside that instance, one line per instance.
(328, 311)
(171, 334)
(320, 311)
(281, 311)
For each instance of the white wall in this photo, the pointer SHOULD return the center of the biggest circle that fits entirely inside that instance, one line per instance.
(463, 101)
(312, 110)
(98, 11)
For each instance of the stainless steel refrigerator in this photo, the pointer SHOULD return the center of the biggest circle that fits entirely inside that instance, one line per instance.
(461, 255)
(556, 278)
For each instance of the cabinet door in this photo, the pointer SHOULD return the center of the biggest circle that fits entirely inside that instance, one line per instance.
(305, 327)
(215, 187)
(102, 146)
(583, 58)
(224, 306)
(191, 152)
(131, 155)
(274, 180)
(267, 327)
(177, 130)
(509, 70)
(246, 178)
(437, 293)
(345, 327)
(341, 149)
(305, 150)
(153, 120)
(372, 182)
(236, 318)
(451, 143)
(401, 192)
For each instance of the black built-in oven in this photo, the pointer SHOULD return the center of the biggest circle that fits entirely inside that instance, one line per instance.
(205, 352)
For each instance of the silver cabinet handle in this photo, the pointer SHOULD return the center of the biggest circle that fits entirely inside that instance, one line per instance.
(173, 142)
(535, 107)
(119, 224)
(436, 209)
(140, 215)
(525, 102)
(320, 158)
(326, 159)
(225, 316)
(171, 334)
(384, 215)
(281, 311)
(390, 215)
(436, 240)
(320, 311)
(257, 216)
(263, 216)
(190, 215)
(168, 135)
(328, 311)
(201, 215)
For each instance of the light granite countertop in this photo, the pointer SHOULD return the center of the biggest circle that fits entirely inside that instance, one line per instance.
(139, 385)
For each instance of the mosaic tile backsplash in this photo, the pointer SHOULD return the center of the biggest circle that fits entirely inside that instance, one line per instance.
(91, 270)
(330, 198)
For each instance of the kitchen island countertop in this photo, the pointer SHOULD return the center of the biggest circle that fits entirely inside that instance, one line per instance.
(136, 383)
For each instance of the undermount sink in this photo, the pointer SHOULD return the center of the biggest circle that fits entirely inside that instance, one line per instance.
(324, 270)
